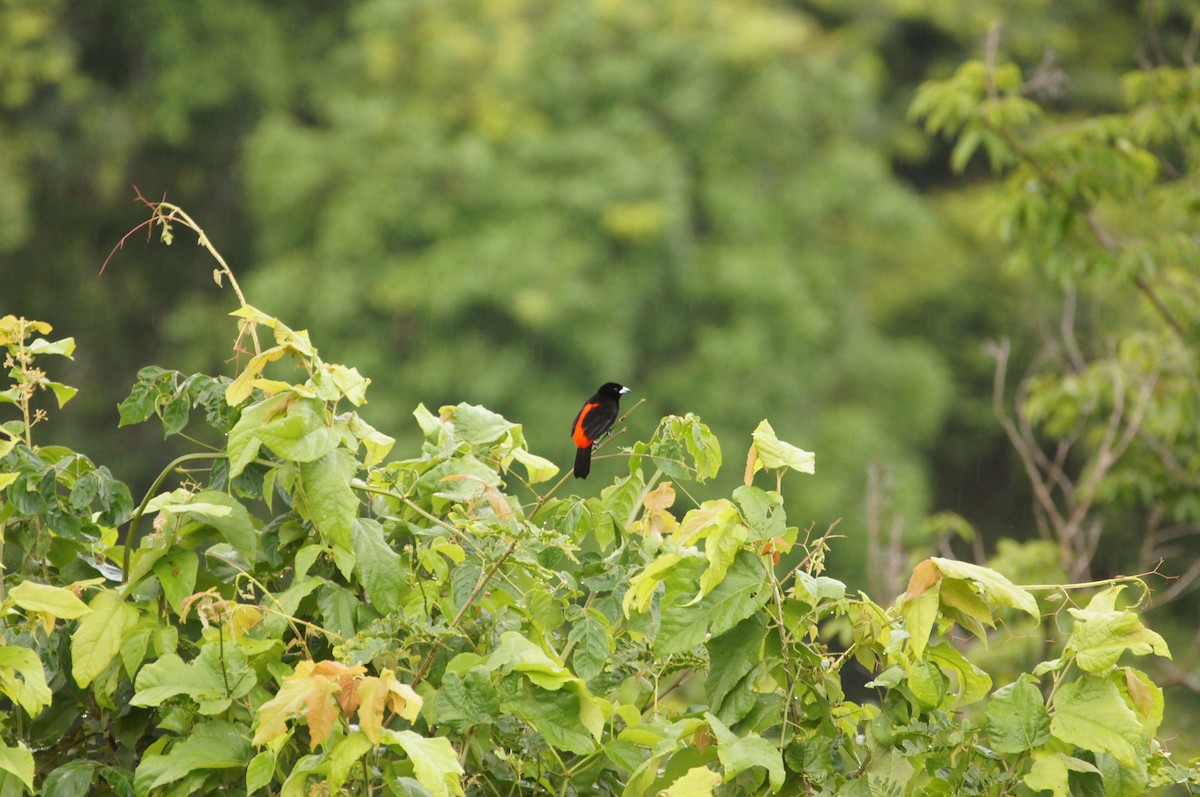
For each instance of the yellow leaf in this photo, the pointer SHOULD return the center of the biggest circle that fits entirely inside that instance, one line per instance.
(696, 782)
(322, 710)
(371, 697)
(401, 697)
(274, 714)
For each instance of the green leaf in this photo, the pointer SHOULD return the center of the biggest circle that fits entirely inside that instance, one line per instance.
(57, 601)
(229, 517)
(719, 525)
(64, 347)
(243, 442)
(18, 761)
(739, 753)
(1050, 772)
(1017, 719)
(515, 653)
(327, 499)
(1143, 695)
(538, 468)
(731, 657)
(212, 745)
(996, 588)
(926, 682)
(176, 573)
(557, 716)
(773, 453)
(380, 569)
(434, 761)
(696, 782)
(1102, 633)
(301, 435)
(593, 647)
(642, 586)
(142, 399)
(97, 639)
(23, 679)
(920, 613)
(973, 683)
(344, 755)
(963, 605)
(204, 679)
(822, 588)
(261, 771)
(1089, 713)
(464, 701)
(763, 512)
(62, 393)
(376, 443)
(72, 779)
(743, 590)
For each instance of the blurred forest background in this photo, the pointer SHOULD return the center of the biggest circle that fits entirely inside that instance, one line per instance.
(732, 206)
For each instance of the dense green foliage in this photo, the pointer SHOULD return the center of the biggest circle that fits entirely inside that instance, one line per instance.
(305, 614)
(729, 205)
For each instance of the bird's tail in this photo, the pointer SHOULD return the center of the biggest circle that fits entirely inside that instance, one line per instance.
(583, 462)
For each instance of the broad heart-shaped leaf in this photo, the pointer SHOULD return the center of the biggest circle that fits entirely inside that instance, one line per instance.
(379, 568)
(1089, 713)
(738, 596)
(19, 762)
(1102, 633)
(327, 499)
(1017, 719)
(773, 453)
(434, 761)
(212, 745)
(739, 752)
(23, 680)
(97, 639)
(995, 587)
(214, 679)
(43, 598)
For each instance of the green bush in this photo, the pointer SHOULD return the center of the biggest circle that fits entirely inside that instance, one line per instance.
(297, 612)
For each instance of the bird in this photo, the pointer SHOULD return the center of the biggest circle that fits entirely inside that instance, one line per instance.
(595, 420)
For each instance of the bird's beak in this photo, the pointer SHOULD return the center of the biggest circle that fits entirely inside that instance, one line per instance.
(623, 391)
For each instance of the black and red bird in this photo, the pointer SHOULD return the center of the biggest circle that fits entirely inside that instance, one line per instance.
(593, 422)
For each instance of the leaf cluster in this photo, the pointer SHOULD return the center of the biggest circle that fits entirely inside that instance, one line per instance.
(311, 612)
